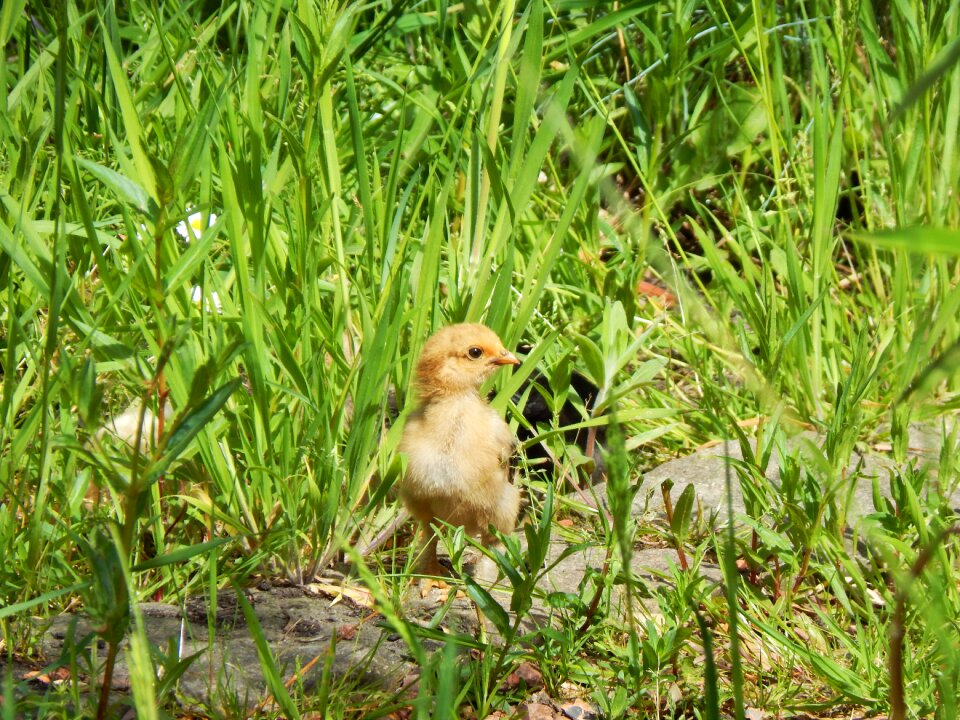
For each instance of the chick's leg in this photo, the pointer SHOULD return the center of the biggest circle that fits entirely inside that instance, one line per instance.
(429, 565)
(504, 514)
(503, 517)
(486, 572)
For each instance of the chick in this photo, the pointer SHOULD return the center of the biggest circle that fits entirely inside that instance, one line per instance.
(458, 448)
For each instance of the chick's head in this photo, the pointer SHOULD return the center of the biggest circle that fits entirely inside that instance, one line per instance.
(458, 358)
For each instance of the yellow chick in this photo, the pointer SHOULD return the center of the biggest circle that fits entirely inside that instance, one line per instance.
(458, 448)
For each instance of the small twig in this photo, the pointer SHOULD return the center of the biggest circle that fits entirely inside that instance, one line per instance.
(622, 42)
(268, 699)
(385, 534)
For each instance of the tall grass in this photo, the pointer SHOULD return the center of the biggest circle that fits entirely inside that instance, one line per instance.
(349, 177)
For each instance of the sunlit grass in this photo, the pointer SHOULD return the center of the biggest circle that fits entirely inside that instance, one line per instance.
(736, 221)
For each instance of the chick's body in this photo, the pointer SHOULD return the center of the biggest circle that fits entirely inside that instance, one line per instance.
(458, 451)
(458, 448)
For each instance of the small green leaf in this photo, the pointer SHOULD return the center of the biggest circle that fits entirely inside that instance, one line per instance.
(592, 359)
(123, 187)
(680, 524)
(89, 394)
(490, 608)
(165, 189)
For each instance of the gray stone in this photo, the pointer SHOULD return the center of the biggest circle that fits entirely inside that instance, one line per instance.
(300, 628)
(710, 468)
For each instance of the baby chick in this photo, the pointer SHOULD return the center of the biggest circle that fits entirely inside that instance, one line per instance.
(458, 448)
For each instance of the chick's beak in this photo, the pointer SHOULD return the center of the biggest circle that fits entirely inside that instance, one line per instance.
(505, 358)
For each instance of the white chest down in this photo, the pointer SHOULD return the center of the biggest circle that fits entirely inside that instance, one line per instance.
(457, 446)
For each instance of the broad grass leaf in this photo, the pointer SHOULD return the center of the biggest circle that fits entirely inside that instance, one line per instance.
(193, 142)
(130, 116)
(943, 367)
(528, 78)
(190, 262)
(490, 608)
(182, 554)
(710, 678)
(916, 239)
(89, 394)
(36, 70)
(12, 9)
(43, 599)
(939, 68)
(143, 679)
(592, 359)
(33, 271)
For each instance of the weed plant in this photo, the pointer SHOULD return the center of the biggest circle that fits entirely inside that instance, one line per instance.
(238, 222)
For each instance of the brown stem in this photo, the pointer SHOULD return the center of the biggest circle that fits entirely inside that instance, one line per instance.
(681, 555)
(112, 650)
(665, 487)
(595, 602)
(622, 42)
(590, 446)
(803, 569)
(898, 705)
(776, 578)
(162, 394)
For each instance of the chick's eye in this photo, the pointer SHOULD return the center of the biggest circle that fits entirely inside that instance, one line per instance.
(475, 353)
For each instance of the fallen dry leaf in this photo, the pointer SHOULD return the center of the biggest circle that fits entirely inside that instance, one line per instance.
(338, 592)
(659, 295)
(527, 675)
(57, 675)
(348, 631)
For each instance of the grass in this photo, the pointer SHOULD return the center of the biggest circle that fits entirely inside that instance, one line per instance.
(358, 175)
